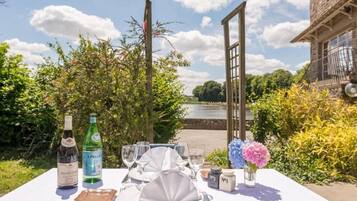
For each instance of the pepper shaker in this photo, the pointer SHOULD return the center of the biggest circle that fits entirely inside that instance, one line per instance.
(227, 181)
(213, 177)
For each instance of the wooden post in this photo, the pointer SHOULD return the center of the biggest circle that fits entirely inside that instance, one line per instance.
(242, 74)
(148, 62)
(229, 95)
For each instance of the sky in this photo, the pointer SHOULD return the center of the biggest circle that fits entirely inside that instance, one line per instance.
(28, 26)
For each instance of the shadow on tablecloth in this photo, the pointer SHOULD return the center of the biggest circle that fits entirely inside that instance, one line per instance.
(66, 193)
(260, 192)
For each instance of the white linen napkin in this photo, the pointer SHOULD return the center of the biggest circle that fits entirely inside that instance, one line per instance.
(130, 194)
(170, 185)
(160, 158)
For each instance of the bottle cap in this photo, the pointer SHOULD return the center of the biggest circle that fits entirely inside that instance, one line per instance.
(68, 123)
(216, 170)
(92, 118)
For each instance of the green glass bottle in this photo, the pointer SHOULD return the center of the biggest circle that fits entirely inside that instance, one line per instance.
(92, 153)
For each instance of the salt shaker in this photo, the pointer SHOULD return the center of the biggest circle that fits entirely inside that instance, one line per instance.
(213, 177)
(227, 181)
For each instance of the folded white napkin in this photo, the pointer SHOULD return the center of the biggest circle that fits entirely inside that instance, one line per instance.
(129, 194)
(170, 185)
(160, 158)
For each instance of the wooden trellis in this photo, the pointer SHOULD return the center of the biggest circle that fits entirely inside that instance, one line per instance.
(235, 75)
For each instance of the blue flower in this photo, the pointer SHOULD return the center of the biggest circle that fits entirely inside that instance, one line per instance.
(235, 152)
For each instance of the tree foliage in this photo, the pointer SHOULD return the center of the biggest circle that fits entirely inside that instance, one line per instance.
(210, 91)
(91, 77)
(110, 81)
(27, 121)
(256, 86)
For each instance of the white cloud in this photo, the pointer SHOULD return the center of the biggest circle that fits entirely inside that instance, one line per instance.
(197, 46)
(210, 50)
(190, 79)
(258, 64)
(68, 22)
(255, 64)
(206, 22)
(256, 9)
(280, 35)
(300, 4)
(31, 52)
(300, 66)
(203, 6)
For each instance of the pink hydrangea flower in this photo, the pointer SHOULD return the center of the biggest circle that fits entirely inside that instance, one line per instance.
(257, 154)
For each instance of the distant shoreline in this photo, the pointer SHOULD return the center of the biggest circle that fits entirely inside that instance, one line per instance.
(204, 103)
(211, 103)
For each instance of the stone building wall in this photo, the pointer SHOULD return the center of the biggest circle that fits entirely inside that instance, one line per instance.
(319, 7)
(339, 24)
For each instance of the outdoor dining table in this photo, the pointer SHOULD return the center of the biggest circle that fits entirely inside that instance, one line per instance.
(271, 186)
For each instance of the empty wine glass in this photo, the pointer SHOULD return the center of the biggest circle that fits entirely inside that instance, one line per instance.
(183, 151)
(196, 159)
(142, 147)
(129, 155)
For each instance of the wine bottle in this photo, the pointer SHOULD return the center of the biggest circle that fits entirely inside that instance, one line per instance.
(67, 158)
(92, 153)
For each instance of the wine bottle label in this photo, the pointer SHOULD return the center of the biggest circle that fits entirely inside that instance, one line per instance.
(67, 174)
(92, 163)
(96, 137)
(68, 142)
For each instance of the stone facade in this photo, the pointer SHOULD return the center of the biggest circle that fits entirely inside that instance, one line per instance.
(321, 31)
(319, 7)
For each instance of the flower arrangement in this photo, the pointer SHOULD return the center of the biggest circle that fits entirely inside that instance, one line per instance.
(235, 152)
(256, 155)
(253, 154)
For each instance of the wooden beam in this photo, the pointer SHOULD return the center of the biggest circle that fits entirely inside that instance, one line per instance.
(309, 30)
(327, 26)
(349, 15)
(234, 12)
(148, 62)
(229, 96)
(313, 36)
(242, 109)
(353, 4)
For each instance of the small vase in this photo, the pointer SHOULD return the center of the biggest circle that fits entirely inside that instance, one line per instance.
(250, 175)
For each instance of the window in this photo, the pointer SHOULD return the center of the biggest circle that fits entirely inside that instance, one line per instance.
(337, 56)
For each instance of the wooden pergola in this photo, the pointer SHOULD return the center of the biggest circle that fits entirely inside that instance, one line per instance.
(235, 70)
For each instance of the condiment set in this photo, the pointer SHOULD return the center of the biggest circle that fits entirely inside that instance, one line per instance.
(223, 180)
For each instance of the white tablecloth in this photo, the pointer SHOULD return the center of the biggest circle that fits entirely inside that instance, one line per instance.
(271, 186)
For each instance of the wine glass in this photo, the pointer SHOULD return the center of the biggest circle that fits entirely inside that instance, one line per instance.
(142, 147)
(129, 155)
(196, 159)
(183, 151)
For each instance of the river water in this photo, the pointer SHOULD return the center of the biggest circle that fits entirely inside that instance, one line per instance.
(209, 111)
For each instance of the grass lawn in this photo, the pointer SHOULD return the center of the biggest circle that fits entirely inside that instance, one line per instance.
(15, 172)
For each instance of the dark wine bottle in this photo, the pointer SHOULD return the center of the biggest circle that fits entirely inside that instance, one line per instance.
(67, 158)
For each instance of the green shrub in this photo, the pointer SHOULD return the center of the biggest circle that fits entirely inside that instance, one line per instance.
(323, 153)
(218, 158)
(96, 77)
(311, 136)
(168, 99)
(285, 112)
(27, 121)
